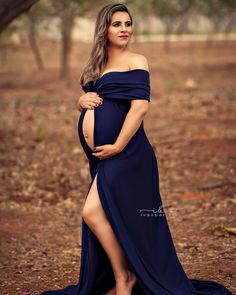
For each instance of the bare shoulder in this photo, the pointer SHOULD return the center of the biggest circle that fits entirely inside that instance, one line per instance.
(138, 61)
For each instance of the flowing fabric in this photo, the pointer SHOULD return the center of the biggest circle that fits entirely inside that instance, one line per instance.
(128, 188)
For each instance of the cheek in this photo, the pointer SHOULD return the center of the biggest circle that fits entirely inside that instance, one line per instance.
(130, 30)
(111, 33)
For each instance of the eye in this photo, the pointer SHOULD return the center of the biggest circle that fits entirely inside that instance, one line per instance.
(127, 24)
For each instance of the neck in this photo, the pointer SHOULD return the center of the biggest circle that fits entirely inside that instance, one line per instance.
(115, 52)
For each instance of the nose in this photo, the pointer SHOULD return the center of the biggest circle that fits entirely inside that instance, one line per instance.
(123, 28)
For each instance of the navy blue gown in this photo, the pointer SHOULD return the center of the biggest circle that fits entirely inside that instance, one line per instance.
(128, 188)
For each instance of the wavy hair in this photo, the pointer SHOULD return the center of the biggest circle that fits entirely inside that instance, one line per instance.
(99, 53)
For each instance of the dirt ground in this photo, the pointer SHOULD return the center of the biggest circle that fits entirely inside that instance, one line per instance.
(44, 172)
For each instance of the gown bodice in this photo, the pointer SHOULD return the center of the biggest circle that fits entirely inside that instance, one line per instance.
(125, 85)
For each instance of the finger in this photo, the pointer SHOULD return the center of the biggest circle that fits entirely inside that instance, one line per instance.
(100, 98)
(89, 107)
(97, 153)
(98, 102)
(98, 147)
(93, 103)
(94, 98)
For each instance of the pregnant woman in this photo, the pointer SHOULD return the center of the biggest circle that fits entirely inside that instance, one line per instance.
(127, 247)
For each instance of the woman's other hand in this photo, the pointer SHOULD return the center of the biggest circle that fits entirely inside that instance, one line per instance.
(106, 151)
(89, 100)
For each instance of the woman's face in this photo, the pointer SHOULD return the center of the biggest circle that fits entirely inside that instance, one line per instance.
(121, 25)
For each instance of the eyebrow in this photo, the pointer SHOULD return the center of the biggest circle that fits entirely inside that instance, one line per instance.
(117, 21)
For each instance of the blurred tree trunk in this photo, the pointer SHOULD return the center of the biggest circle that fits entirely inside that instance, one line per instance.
(67, 11)
(10, 9)
(67, 20)
(33, 43)
(168, 22)
(231, 23)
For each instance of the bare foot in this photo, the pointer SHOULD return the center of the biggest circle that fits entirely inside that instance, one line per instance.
(112, 291)
(125, 285)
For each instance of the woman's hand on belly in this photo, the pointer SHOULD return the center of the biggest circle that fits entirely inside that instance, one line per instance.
(89, 100)
(106, 151)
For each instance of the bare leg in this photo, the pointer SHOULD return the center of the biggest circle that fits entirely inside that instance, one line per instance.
(95, 217)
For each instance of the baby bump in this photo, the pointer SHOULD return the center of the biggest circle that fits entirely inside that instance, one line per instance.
(88, 128)
(102, 124)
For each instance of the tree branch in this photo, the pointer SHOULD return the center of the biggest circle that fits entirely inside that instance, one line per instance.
(10, 9)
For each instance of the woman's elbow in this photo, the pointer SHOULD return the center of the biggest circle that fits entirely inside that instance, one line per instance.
(146, 108)
(140, 111)
(140, 106)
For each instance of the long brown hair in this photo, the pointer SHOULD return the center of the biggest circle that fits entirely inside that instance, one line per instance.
(99, 53)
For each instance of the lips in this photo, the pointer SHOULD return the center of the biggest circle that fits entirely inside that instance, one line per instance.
(123, 36)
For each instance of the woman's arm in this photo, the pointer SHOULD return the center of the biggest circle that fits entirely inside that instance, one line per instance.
(137, 112)
(131, 123)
